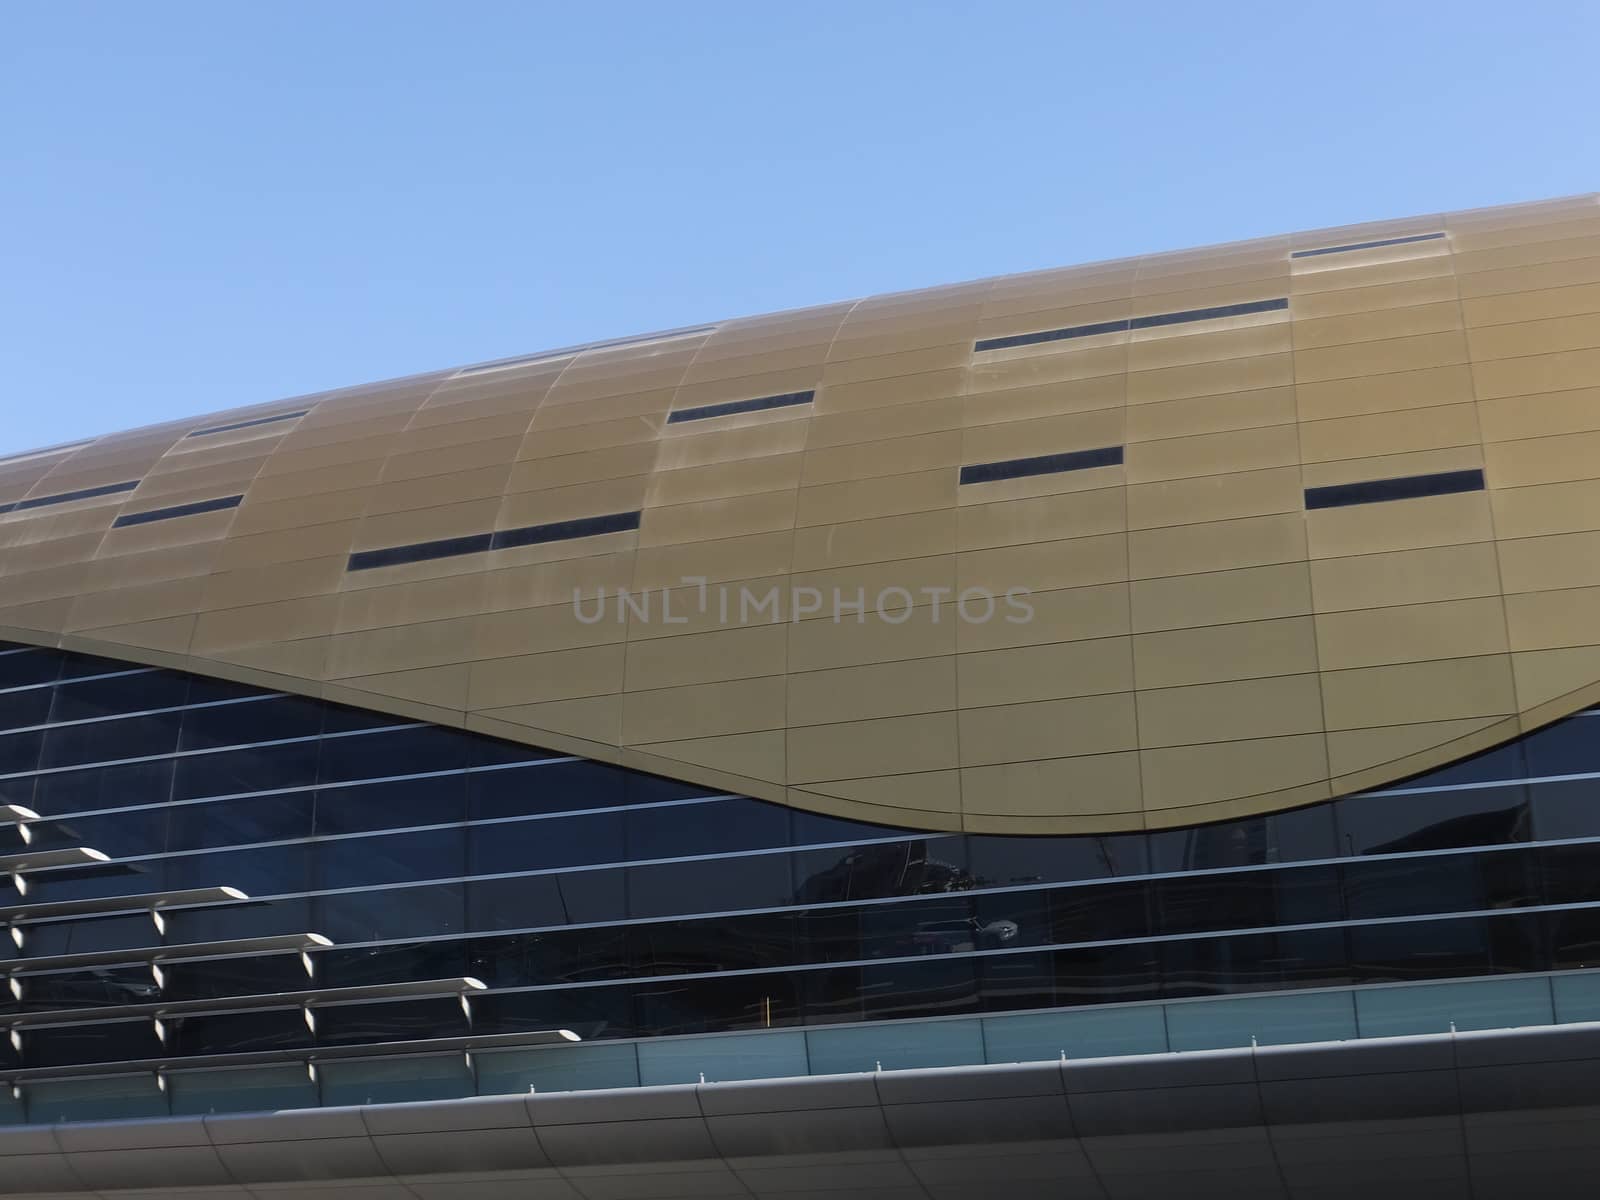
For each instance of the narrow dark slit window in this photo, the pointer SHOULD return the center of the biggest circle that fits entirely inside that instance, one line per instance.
(1044, 464)
(1404, 487)
(105, 489)
(761, 403)
(288, 416)
(1151, 321)
(1397, 241)
(562, 531)
(177, 510)
(502, 539)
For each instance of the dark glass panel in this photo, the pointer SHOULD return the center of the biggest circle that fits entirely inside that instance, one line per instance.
(1100, 912)
(124, 694)
(486, 751)
(254, 976)
(1441, 949)
(119, 834)
(19, 752)
(21, 709)
(1432, 821)
(654, 789)
(1016, 981)
(1108, 974)
(708, 886)
(934, 987)
(546, 788)
(392, 964)
(107, 741)
(830, 996)
(73, 1045)
(237, 1033)
(220, 922)
(591, 1013)
(815, 829)
(437, 800)
(1560, 810)
(1574, 937)
(389, 858)
(1247, 899)
(1409, 886)
(540, 845)
(1565, 748)
(388, 913)
(559, 956)
(1008, 919)
(393, 1021)
(828, 935)
(255, 769)
(410, 751)
(530, 901)
(93, 988)
(1503, 762)
(1008, 861)
(263, 871)
(1570, 874)
(75, 666)
(34, 666)
(337, 718)
(241, 822)
(720, 944)
(1254, 962)
(244, 724)
(944, 926)
(205, 690)
(104, 787)
(130, 931)
(676, 1006)
(683, 830)
(109, 879)
(910, 868)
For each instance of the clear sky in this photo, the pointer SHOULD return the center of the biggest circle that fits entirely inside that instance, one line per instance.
(206, 205)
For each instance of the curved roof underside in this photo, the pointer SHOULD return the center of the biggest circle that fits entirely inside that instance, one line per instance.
(1296, 516)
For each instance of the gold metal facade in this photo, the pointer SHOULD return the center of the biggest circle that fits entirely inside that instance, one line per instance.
(1203, 645)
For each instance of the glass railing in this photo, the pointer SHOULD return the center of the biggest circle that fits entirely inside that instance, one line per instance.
(1276, 1018)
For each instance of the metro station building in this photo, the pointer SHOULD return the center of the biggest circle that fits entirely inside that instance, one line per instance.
(1120, 731)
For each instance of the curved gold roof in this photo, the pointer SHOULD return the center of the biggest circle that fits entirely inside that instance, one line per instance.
(1145, 441)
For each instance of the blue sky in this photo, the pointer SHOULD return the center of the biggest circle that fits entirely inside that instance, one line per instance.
(205, 205)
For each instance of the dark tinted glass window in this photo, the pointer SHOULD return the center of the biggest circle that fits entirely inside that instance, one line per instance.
(537, 900)
(361, 965)
(909, 868)
(545, 788)
(236, 772)
(122, 694)
(544, 844)
(676, 1006)
(82, 937)
(692, 829)
(242, 724)
(31, 666)
(215, 978)
(1008, 861)
(1433, 821)
(931, 988)
(364, 916)
(1560, 810)
(239, 822)
(393, 1021)
(107, 741)
(561, 956)
(1100, 912)
(104, 787)
(232, 1033)
(1565, 748)
(395, 752)
(389, 858)
(437, 800)
(253, 919)
(21, 709)
(591, 1013)
(261, 871)
(708, 886)
(72, 1045)
(120, 835)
